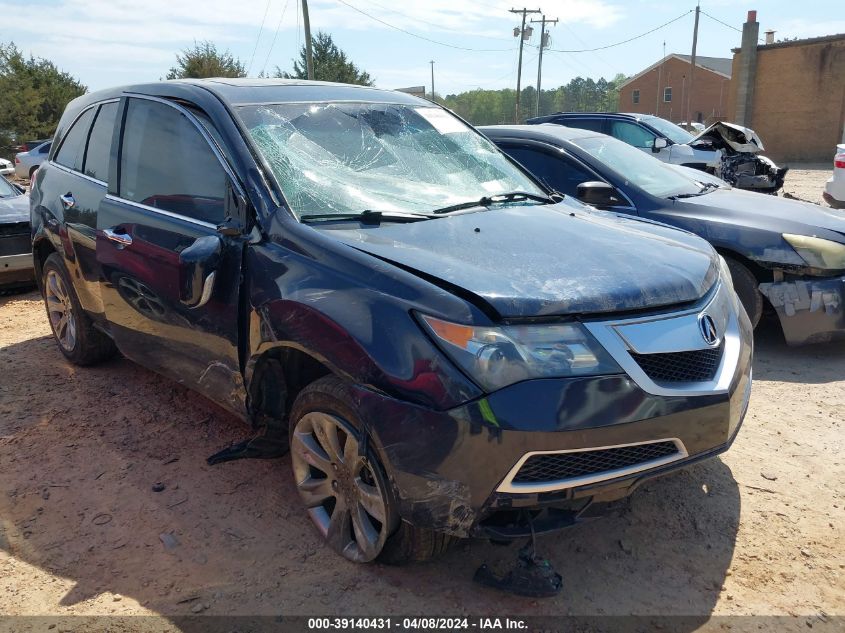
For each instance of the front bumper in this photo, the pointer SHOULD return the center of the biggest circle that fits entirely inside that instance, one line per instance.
(7, 171)
(16, 269)
(810, 309)
(449, 470)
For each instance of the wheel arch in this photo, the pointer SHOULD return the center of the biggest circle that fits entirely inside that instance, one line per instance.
(42, 248)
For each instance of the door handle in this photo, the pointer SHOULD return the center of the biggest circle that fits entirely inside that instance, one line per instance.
(67, 200)
(123, 239)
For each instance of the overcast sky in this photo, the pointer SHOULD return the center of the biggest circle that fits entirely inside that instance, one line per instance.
(112, 42)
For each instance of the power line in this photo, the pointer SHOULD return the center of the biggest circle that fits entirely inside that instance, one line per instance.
(730, 26)
(422, 37)
(275, 35)
(258, 39)
(630, 39)
(439, 26)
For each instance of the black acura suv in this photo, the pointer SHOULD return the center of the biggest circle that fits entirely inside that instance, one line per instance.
(447, 350)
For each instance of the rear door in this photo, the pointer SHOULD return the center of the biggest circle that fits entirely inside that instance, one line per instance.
(72, 189)
(171, 190)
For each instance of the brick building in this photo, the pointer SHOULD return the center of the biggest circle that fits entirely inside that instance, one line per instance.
(791, 93)
(661, 89)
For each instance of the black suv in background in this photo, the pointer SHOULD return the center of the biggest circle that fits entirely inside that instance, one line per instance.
(448, 350)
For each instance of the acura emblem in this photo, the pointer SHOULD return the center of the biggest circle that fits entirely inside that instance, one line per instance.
(708, 329)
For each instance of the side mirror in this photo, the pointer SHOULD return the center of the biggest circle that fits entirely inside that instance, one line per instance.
(197, 270)
(599, 194)
(659, 144)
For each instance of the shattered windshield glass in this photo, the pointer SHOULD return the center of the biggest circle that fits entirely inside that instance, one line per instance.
(351, 157)
(673, 132)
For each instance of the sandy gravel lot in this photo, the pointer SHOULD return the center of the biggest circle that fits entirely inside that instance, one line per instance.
(757, 531)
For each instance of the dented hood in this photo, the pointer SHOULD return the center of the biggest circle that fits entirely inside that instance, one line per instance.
(737, 137)
(560, 259)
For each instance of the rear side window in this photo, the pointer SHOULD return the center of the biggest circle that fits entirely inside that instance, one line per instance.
(45, 148)
(556, 172)
(166, 163)
(99, 144)
(594, 125)
(72, 152)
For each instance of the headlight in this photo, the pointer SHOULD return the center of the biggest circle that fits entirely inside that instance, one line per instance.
(817, 252)
(725, 273)
(500, 356)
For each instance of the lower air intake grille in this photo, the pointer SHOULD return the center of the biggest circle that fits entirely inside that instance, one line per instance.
(558, 466)
(696, 366)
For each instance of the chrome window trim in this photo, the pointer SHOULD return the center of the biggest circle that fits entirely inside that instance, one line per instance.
(509, 486)
(73, 172)
(218, 152)
(57, 146)
(164, 212)
(722, 299)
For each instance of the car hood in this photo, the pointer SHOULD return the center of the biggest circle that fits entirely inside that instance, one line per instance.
(737, 137)
(15, 209)
(560, 259)
(738, 207)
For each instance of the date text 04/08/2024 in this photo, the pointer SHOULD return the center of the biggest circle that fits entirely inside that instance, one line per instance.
(416, 623)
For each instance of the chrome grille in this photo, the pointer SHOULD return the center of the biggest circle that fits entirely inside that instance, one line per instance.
(561, 466)
(693, 366)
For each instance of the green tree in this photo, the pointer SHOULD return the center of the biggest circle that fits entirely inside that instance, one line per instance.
(204, 60)
(33, 95)
(330, 64)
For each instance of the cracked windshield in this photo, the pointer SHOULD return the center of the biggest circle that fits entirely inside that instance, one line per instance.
(352, 157)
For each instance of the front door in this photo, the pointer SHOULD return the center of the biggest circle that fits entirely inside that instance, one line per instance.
(172, 189)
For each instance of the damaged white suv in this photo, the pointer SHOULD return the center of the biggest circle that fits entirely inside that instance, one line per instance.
(726, 150)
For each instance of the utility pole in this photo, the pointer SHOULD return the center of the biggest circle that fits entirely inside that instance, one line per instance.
(692, 65)
(432, 79)
(521, 35)
(543, 44)
(309, 55)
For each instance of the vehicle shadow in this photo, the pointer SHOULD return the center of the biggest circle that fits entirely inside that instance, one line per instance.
(82, 448)
(809, 364)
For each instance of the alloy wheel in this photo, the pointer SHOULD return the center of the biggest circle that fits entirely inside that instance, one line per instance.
(60, 311)
(344, 497)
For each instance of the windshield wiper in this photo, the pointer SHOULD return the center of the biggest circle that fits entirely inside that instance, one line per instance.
(366, 217)
(705, 187)
(499, 198)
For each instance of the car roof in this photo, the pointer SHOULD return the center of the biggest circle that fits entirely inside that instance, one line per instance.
(549, 132)
(240, 91)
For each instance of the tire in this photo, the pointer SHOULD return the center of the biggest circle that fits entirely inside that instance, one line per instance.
(76, 336)
(745, 284)
(332, 479)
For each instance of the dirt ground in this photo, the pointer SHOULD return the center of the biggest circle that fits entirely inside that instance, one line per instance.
(757, 531)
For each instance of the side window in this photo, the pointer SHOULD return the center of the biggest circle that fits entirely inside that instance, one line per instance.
(72, 152)
(99, 144)
(635, 96)
(556, 172)
(594, 125)
(45, 149)
(632, 134)
(667, 95)
(166, 163)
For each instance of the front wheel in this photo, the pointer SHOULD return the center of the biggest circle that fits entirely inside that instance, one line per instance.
(343, 485)
(745, 284)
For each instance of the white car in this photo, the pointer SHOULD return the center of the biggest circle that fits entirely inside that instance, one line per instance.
(834, 189)
(6, 167)
(27, 162)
